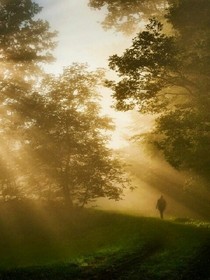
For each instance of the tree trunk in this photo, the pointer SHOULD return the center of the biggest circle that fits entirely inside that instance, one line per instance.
(67, 197)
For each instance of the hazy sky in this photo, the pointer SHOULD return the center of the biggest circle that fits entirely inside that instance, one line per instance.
(82, 39)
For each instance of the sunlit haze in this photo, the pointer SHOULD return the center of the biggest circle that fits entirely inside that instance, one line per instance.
(104, 139)
(82, 39)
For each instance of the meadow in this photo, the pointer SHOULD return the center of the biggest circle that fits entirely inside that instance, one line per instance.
(50, 242)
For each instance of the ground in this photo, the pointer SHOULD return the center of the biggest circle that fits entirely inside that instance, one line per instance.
(51, 243)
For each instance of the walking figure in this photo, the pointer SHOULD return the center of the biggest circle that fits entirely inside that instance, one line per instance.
(161, 206)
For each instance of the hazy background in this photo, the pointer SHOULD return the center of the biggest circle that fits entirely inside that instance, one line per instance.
(82, 39)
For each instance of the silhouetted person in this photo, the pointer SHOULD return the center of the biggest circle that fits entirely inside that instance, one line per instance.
(161, 206)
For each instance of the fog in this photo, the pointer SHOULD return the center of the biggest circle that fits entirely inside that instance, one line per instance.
(151, 177)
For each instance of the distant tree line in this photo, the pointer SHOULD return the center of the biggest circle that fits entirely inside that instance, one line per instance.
(53, 140)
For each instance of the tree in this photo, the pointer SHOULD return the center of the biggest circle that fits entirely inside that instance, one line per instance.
(185, 139)
(149, 66)
(127, 15)
(25, 44)
(169, 75)
(24, 41)
(53, 136)
(67, 141)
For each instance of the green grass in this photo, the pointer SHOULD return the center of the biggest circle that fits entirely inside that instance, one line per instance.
(52, 243)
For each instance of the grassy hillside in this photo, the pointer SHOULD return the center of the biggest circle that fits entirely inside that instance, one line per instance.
(52, 243)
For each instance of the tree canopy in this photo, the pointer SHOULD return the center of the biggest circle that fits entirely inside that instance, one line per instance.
(67, 138)
(53, 137)
(26, 43)
(168, 74)
(127, 15)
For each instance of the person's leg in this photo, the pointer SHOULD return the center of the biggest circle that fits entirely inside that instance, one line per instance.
(161, 214)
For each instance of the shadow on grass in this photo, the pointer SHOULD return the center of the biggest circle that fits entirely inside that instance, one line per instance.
(90, 245)
(120, 265)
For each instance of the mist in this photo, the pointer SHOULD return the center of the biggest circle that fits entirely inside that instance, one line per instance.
(102, 125)
(151, 177)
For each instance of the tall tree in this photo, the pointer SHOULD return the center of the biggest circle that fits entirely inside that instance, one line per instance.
(67, 139)
(169, 75)
(26, 43)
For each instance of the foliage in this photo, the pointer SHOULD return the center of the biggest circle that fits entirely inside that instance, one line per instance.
(169, 75)
(23, 38)
(66, 135)
(146, 68)
(26, 43)
(53, 140)
(185, 140)
(126, 15)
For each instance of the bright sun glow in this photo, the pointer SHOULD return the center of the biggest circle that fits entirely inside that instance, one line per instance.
(82, 39)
